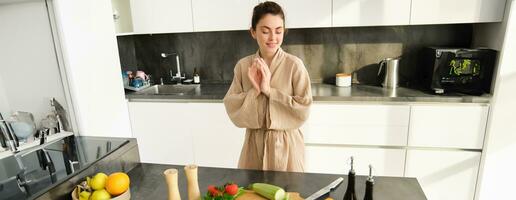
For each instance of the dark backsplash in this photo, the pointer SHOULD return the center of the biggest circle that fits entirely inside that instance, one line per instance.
(325, 51)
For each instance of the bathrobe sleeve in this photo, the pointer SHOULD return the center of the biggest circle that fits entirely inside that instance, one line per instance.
(246, 109)
(290, 111)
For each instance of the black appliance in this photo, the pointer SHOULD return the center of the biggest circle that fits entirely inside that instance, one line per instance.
(468, 71)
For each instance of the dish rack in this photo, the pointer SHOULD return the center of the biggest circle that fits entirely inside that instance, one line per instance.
(136, 89)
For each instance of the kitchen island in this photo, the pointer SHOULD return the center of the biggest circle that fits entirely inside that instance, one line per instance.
(148, 182)
(406, 133)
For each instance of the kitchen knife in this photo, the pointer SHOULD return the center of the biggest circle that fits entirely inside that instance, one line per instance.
(325, 190)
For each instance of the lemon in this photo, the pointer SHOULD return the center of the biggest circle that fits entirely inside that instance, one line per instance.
(100, 195)
(98, 182)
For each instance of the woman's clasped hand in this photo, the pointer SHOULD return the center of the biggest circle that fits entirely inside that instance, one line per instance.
(260, 76)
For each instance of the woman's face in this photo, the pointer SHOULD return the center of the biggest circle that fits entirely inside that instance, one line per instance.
(269, 33)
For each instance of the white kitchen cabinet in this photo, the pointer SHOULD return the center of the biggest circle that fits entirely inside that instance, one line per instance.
(161, 16)
(217, 141)
(371, 13)
(222, 15)
(122, 16)
(170, 16)
(186, 133)
(163, 132)
(456, 11)
(444, 175)
(142, 16)
(357, 124)
(306, 13)
(453, 126)
(335, 160)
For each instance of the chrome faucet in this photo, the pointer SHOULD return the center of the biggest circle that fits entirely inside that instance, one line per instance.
(178, 75)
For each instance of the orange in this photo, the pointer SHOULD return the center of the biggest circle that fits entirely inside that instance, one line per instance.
(117, 183)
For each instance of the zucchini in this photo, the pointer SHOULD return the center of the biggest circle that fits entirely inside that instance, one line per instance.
(269, 191)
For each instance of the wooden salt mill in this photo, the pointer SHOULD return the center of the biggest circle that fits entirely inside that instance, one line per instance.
(173, 189)
(193, 185)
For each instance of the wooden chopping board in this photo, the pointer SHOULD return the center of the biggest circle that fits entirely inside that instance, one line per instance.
(251, 195)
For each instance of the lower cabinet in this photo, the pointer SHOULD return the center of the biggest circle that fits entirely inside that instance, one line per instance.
(357, 124)
(217, 141)
(186, 133)
(448, 126)
(335, 160)
(162, 132)
(444, 175)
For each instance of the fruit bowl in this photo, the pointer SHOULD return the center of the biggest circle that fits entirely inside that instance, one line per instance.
(124, 196)
(103, 187)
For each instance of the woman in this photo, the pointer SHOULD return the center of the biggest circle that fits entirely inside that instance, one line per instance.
(270, 96)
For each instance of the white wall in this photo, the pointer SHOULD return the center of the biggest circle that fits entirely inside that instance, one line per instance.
(29, 71)
(499, 160)
(4, 104)
(87, 37)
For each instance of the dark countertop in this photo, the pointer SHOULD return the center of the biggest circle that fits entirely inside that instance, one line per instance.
(148, 182)
(321, 93)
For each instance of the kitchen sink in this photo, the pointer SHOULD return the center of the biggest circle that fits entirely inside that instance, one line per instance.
(169, 89)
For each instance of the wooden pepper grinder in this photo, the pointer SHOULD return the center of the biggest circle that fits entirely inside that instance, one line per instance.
(193, 185)
(171, 178)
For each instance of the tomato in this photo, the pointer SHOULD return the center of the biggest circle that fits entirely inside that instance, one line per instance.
(231, 189)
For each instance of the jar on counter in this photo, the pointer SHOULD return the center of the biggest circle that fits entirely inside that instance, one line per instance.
(343, 79)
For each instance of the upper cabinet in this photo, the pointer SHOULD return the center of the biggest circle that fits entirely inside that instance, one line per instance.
(161, 16)
(172, 16)
(122, 16)
(371, 13)
(306, 13)
(222, 15)
(456, 11)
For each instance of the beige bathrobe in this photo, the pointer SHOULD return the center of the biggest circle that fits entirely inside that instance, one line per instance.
(273, 140)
